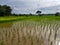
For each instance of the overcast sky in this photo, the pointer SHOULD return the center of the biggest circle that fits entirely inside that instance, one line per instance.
(31, 6)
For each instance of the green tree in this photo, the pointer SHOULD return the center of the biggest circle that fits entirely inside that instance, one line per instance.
(1, 12)
(5, 10)
(38, 12)
(30, 14)
(57, 14)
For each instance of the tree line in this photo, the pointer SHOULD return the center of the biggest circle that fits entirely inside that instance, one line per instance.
(6, 10)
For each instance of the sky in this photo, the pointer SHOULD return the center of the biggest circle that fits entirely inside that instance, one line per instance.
(31, 6)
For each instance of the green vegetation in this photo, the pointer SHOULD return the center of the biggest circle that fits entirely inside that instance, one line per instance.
(38, 12)
(29, 18)
(5, 10)
(11, 18)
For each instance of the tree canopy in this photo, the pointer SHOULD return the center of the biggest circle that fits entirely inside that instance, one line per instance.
(57, 14)
(5, 10)
(38, 12)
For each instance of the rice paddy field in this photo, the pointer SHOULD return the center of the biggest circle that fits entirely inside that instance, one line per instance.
(30, 30)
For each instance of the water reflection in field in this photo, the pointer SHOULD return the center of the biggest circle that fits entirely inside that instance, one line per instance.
(29, 33)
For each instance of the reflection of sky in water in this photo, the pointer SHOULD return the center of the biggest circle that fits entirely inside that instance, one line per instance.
(59, 43)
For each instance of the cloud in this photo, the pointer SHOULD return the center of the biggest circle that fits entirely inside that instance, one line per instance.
(31, 6)
(52, 9)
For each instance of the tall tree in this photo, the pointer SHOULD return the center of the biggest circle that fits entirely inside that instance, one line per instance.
(5, 10)
(57, 14)
(38, 12)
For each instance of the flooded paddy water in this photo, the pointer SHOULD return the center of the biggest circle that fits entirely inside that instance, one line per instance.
(30, 33)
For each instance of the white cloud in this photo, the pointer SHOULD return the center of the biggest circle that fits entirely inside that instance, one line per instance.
(49, 3)
(30, 5)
